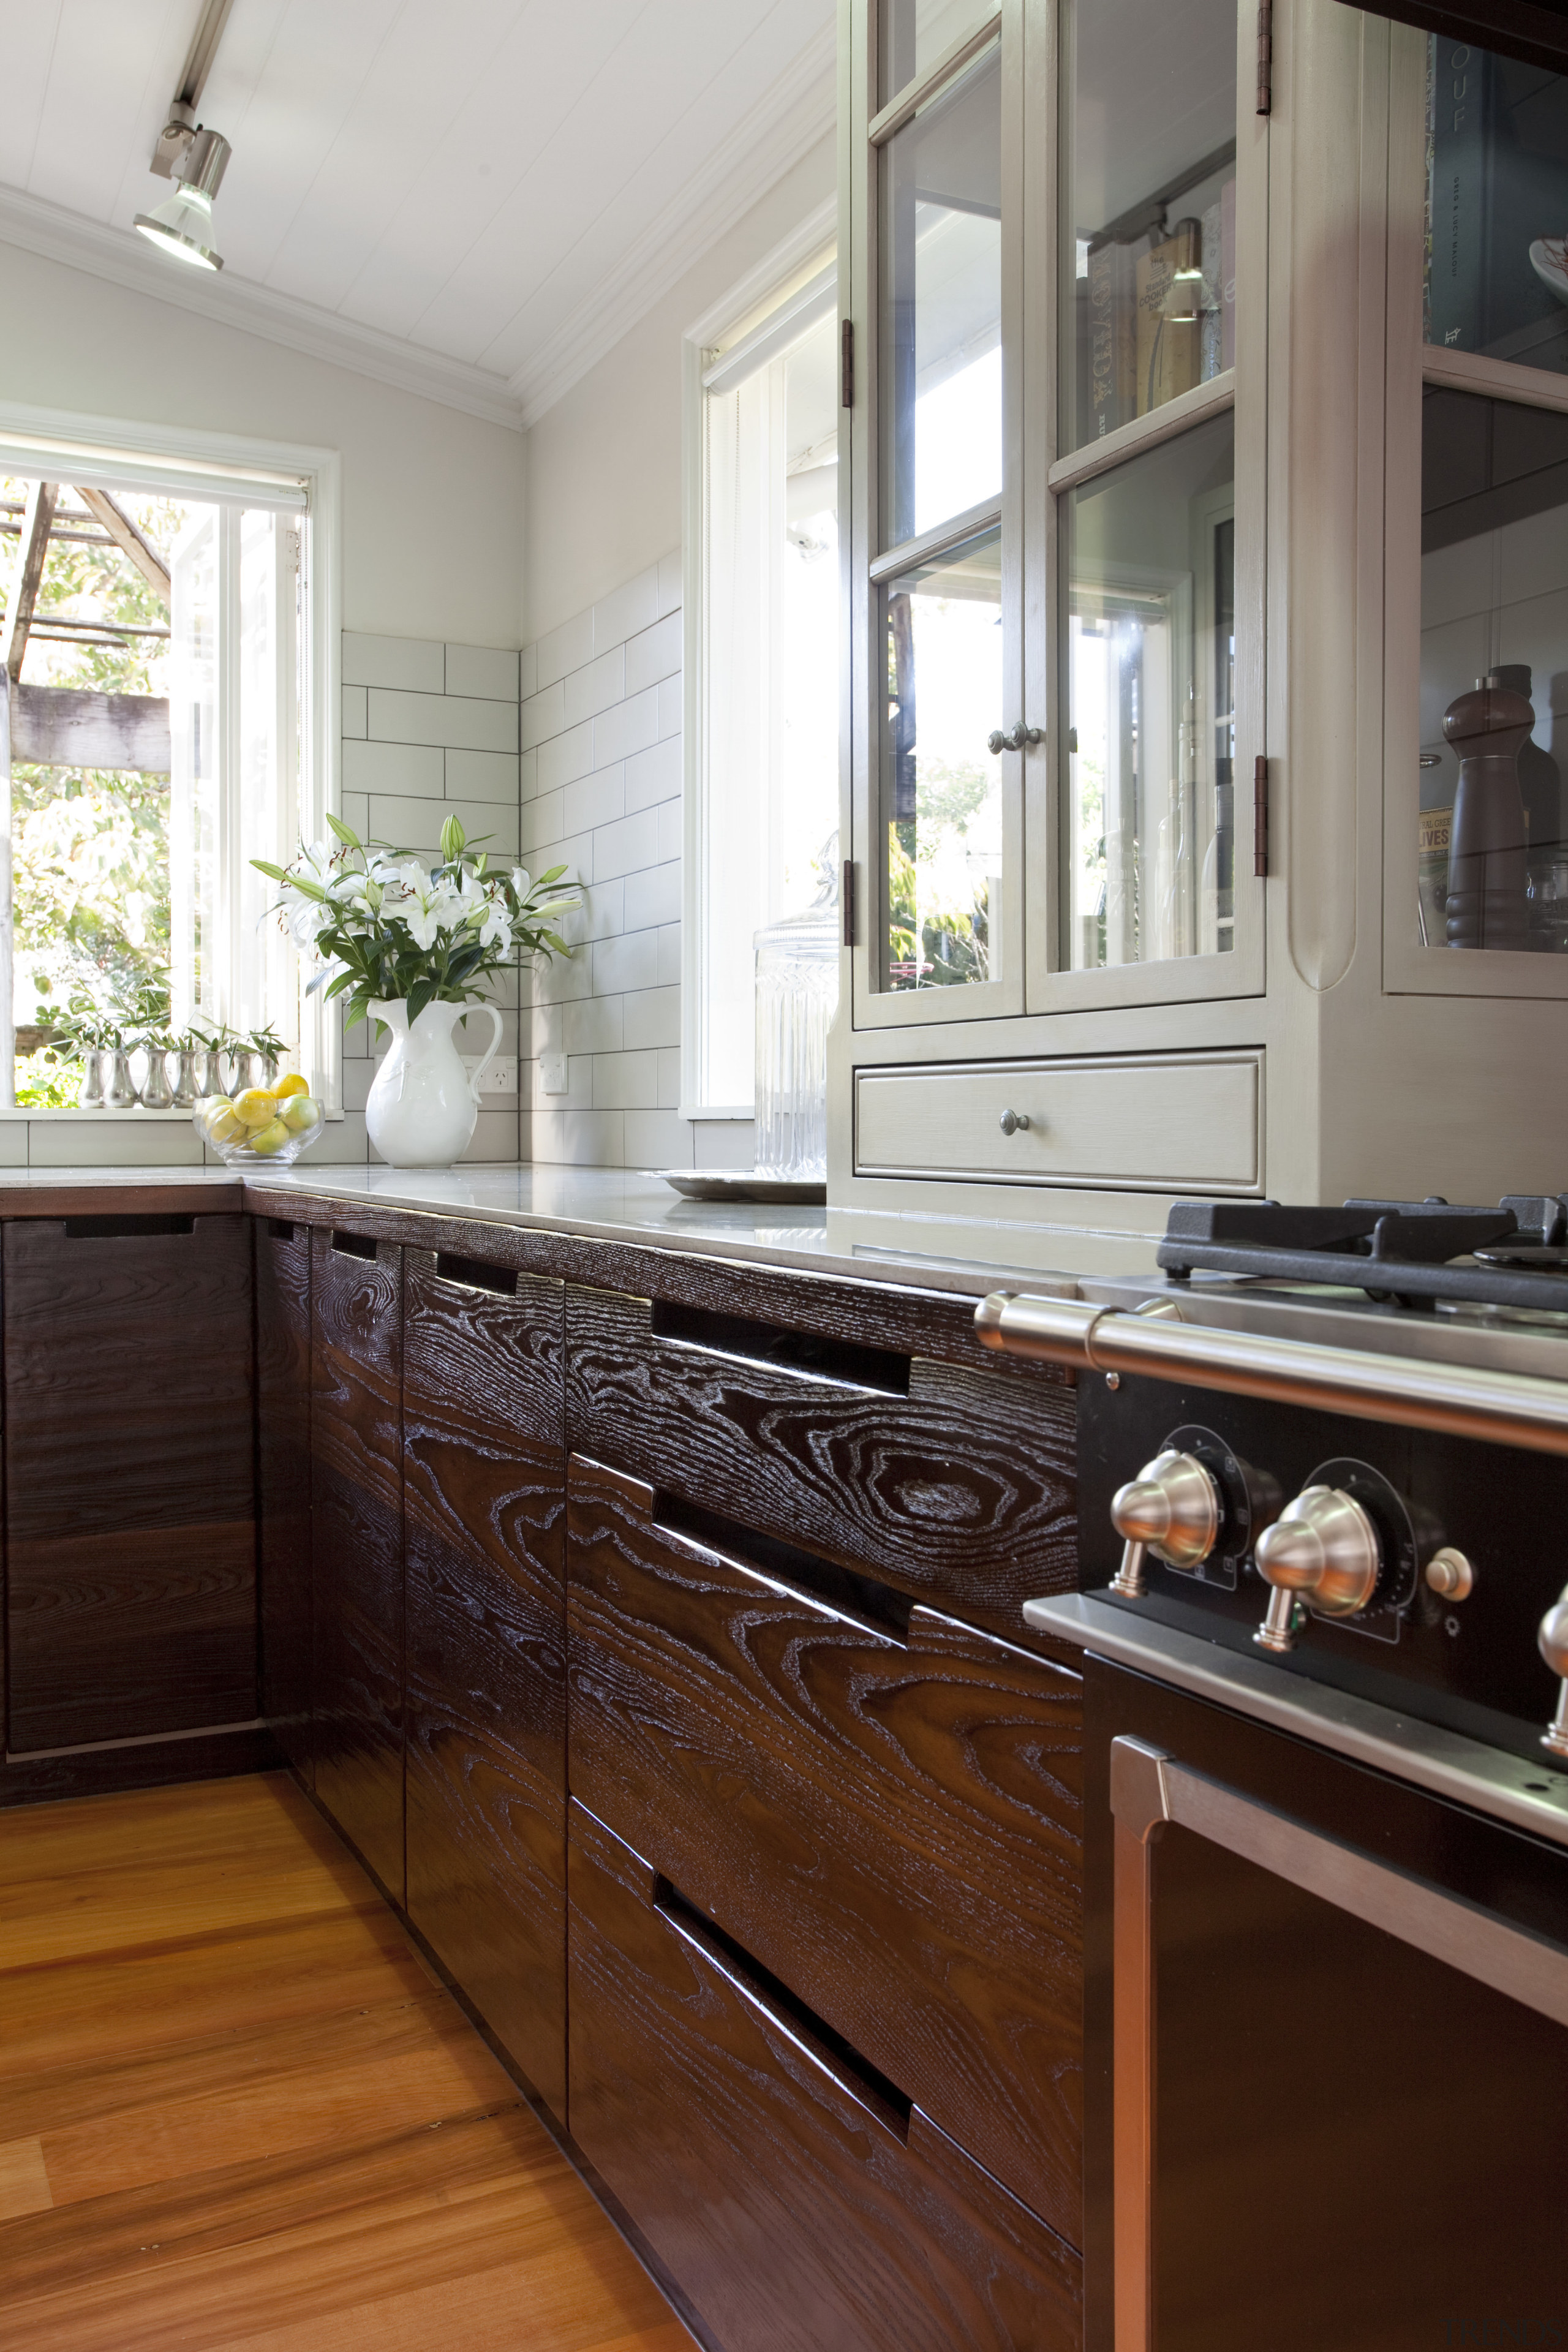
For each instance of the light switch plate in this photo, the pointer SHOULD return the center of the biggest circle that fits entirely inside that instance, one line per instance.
(552, 1078)
(499, 1075)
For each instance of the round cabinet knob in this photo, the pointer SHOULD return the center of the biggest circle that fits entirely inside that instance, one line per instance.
(1554, 1639)
(1173, 1509)
(1322, 1549)
(1012, 1122)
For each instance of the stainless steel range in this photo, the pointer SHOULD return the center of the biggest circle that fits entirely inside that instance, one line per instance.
(1323, 1612)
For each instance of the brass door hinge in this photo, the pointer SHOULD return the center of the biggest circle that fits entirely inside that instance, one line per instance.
(1260, 815)
(846, 363)
(1265, 57)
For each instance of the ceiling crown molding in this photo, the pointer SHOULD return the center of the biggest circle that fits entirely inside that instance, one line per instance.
(122, 259)
(799, 111)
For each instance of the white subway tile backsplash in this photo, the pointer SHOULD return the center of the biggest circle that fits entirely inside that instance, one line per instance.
(626, 847)
(626, 1081)
(355, 813)
(654, 775)
(725, 1142)
(595, 800)
(355, 713)
(672, 705)
(603, 911)
(595, 688)
(445, 718)
(565, 648)
(658, 1139)
(495, 1136)
(527, 774)
(654, 897)
(482, 670)
(668, 1077)
(669, 937)
(655, 654)
(651, 1019)
(130, 1141)
(671, 822)
(543, 715)
(626, 610)
(566, 757)
(592, 1024)
(528, 672)
(573, 850)
(483, 776)
(416, 825)
(669, 582)
(579, 1139)
(540, 822)
(630, 962)
(413, 663)
(629, 727)
(415, 770)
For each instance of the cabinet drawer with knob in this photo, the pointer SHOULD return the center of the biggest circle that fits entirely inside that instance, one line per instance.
(1152, 1122)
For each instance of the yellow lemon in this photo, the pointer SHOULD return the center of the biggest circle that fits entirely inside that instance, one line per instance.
(256, 1107)
(292, 1085)
(265, 1140)
(300, 1113)
(225, 1126)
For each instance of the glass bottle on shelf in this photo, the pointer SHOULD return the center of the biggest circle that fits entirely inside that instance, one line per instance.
(796, 997)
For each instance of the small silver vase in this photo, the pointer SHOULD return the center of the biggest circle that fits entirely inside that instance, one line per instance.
(91, 1095)
(187, 1081)
(211, 1057)
(156, 1092)
(242, 1064)
(122, 1094)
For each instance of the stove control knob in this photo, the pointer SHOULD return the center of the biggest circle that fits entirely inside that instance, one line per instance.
(1173, 1509)
(1554, 1639)
(1322, 1549)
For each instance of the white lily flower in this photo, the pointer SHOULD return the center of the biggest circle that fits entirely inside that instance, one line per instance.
(496, 929)
(521, 881)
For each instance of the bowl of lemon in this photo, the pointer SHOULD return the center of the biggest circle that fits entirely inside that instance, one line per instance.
(267, 1125)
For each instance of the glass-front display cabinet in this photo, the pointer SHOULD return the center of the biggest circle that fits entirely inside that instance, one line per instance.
(1206, 595)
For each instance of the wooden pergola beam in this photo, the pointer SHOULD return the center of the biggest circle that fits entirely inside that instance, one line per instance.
(126, 535)
(32, 549)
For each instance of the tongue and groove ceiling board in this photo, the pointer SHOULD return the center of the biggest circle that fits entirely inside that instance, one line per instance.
(475, 198)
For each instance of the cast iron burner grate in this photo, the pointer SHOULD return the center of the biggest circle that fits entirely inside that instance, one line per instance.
(1398, 1250)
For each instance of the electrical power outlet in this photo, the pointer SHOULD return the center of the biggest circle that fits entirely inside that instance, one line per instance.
(552, 1078)
(499, 1075)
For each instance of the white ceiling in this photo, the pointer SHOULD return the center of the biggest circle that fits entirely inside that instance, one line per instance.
(496, 188)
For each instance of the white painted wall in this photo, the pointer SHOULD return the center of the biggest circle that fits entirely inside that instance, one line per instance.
(604, 463)
(432, 499)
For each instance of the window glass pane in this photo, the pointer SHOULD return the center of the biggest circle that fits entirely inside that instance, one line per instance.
(942, 786)
(1151, 143)
(194, 726)
(941, 351)
(1151, 667)
(1497, 206)
(1493, 843)
(915, 32)
(770, 768)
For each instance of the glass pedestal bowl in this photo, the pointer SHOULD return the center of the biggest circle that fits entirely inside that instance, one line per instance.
(259, 1128)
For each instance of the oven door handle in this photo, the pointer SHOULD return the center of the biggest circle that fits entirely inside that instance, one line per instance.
(1148, 1789)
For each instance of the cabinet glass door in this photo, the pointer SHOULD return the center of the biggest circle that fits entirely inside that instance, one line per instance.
(1158, 503)
(936, 548)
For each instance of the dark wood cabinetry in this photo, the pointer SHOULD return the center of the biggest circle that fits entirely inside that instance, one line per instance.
(283, 1484)
(800, 2201)
(888, 1821)
(484, 1529)
(131, 1605)
(356, 1508)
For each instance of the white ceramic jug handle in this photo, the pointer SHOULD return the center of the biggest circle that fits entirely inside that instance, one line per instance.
(474, 1063)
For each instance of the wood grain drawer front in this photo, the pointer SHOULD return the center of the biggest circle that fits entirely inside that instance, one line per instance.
(356, 1511)
(892, 1827)
(129, 1404)
(957, 1486)
(484, 1535)
(1161, 1121)
(801, 2204)
(283, 1484)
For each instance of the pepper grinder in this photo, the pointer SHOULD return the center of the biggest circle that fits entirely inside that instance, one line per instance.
(1486, 905)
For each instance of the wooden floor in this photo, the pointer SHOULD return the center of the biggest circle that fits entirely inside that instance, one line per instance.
(236, 2111)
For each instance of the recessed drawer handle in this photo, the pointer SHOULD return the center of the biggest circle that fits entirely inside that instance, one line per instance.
(1013, 1120)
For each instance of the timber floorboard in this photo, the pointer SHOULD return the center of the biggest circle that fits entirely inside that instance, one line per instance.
(239, 2114)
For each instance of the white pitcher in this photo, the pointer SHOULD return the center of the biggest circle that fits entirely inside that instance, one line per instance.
(424, 1097)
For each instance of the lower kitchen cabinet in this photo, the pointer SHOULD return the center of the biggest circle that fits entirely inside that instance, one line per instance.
(283, 1484)
(881, 1805)
(356, 1511)
(801, 2201)
(130, 1604)
(485, 1702)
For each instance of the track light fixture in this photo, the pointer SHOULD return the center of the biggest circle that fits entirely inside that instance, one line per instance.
(192, 157)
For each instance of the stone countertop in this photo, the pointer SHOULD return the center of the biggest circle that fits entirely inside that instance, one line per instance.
(622, 1205)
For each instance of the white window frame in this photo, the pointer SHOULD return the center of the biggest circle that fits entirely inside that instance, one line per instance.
(184, 463)
(765, 311)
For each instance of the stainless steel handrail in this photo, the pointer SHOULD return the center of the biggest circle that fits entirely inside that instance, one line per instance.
(1505, 1408)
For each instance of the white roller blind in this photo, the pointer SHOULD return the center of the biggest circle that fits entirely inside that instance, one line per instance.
(47, 458)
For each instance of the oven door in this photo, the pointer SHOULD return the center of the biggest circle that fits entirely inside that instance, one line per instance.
(1327, 2020)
